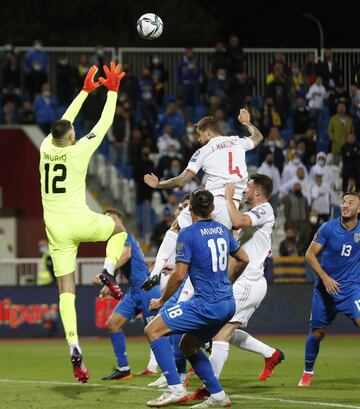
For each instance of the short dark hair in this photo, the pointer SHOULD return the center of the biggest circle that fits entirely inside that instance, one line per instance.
(202, 203)
(116, 212)
(60, 128)
(350, 194)
(264, 182)
(208, 122)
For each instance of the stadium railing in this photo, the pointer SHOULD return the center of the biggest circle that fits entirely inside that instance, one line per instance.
(257, 59)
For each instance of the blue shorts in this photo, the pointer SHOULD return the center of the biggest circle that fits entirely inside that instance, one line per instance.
(136, 301)
(173, 300)
(325, 307)
(198, 317)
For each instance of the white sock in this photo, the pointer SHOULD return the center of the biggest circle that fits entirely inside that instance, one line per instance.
(244, 340)
(74, 345)
(165, 250)
(218, 357)
(219, 395)
(109, 266)
(309, 372)
(124, 368)
(152, 365)
(176, 388)
(182, 377)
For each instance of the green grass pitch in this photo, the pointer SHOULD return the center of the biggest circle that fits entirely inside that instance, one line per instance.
(37, 375)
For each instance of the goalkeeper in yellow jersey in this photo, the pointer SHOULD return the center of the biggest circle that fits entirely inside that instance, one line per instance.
(68, 219)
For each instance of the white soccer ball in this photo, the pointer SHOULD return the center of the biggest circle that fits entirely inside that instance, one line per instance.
(150, 26)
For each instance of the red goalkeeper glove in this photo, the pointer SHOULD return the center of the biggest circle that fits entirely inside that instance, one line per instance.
(89, 83)
(113, 77)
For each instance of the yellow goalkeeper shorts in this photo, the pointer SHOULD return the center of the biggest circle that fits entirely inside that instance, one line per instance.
(65, 232)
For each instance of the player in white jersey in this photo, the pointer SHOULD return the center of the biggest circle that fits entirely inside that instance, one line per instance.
(222, 158)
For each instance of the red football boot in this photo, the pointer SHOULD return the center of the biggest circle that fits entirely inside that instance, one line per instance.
(270, 364)
(199, 394)
(79, 369)
(110, 282)
(305, 381)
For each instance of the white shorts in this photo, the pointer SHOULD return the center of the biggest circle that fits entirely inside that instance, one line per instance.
(187, 292)
(220, 214)
(248, 296)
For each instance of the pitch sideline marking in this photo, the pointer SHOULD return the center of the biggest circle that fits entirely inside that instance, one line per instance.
(248, 397)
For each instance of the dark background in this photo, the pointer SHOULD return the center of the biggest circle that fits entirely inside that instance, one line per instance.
(197, 23)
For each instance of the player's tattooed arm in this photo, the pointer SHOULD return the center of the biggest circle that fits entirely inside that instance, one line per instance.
(255, 135)
(177, 181)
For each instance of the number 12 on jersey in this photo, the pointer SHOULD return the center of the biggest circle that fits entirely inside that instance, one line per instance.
(57, 178)
(233, 170)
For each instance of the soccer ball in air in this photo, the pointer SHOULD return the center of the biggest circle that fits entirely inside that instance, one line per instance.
(150, 26)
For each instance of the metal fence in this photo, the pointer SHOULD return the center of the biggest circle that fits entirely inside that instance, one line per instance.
(257, 60)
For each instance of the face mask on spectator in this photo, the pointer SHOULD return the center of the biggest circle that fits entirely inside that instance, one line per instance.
(295, 71)
(46, 93)
(155, 60)
(175, 170)
(146, 96)
(37, 46)
(296, 161)
(122, 98)
(321, 162)
(189, 130)
(221, 77)
(100, 52)
(37, 67)
(43, 249)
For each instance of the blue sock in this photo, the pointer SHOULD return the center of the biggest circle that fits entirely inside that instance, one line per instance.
(202, 367)
(165, 358)
(119, 345)
(180, 359)
(312, 346)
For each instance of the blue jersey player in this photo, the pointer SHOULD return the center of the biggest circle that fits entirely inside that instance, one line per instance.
(202, 251)
(136, 300)
(337, 288)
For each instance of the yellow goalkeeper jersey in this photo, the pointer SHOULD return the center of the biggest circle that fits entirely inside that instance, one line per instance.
(63, 169)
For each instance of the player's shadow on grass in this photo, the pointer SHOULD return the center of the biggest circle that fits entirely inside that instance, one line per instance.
(77, 391)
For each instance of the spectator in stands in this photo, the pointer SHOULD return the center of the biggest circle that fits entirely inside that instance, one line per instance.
(189, 77)
(273, 145)
(135, 145)
(321, 168)
(92, 108)
(297, 211)
(270, 116)
(46, 108)
(241, 88)
(307, 147)
(224, 125)
(336, 95)
(157, 68)
(167, 139)
(35, 78)
(147, 109)
(66, 81)
(36, 59)
(310, 69)
(82, 69)
(279, 90)
(350, 153)
(255, 113)
(355, 75)
(10, 67)
(173, 117)
(351, 186)
(340, 125)
(321, 198)
(130, 86)
(330, 70)
(162, 227)
(291, 167)
(289, 150)
(219, 86)
(164, 164)
(189, 142)
(289, 247)
(11, 94)
(182, 109)
(355, 109)
(146, 84)
(236, 55)
(27, 115)
(220, 58)
(302, 118)
(300, 178)
(9, 114)
(159, 89)
(119, 134)
(99, 58)
(279, 59)
(297, 80)
(269, 169)
(213, 105)
(174, 169)
(316, 96)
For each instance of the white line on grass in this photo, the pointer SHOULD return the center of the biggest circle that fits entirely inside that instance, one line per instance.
(235, 397)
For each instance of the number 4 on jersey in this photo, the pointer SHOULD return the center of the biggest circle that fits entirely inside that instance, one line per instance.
(236, 170)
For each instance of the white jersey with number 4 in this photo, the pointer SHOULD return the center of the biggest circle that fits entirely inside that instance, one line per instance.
(257, 240)
(223, 161)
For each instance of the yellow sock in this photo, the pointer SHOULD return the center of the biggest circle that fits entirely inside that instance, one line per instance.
(68, 317)
(114, 249)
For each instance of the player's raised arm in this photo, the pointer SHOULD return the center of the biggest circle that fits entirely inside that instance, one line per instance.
(178, 181)
(89, 85)
(255, 135)
(332, 286)
(238, 219)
